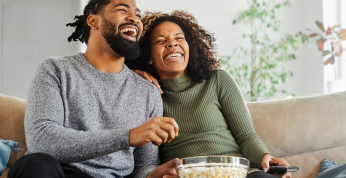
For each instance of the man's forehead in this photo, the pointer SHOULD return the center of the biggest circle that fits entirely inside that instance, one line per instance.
(129, 3)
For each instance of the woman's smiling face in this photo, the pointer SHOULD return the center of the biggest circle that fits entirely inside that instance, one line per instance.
(169, 50)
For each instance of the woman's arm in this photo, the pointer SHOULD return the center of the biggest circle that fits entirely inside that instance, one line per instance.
(238, 118)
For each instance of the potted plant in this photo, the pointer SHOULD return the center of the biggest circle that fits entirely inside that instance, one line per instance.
(258, 68)
(330, 43)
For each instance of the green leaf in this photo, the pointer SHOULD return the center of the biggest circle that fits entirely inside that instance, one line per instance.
(325, 53)
(234, 22)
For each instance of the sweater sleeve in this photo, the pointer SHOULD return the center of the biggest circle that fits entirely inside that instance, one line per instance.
(239, 120)
(44, 129)
(146, 157)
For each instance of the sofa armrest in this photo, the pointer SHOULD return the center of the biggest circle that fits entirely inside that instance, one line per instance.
(12, 111)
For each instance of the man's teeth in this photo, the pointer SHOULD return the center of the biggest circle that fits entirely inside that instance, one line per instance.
(128, 30)
(173, 55)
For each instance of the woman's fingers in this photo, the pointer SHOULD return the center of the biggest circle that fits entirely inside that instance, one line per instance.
(267, 158)
(147, 76)
(150, 78)
(156, 83)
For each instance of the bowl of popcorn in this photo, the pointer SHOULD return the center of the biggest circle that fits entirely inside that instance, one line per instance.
(213, 167)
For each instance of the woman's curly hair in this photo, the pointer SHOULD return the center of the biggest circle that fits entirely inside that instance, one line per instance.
(203, 57)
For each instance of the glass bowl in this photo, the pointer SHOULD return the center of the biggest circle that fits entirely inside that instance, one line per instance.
(213, 167)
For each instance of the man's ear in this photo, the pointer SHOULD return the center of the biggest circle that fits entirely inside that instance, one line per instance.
(92, 21)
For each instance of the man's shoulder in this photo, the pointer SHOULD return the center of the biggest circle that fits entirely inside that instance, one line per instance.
(61, 60)
(141, 82)
(142, 85)
(58, 63)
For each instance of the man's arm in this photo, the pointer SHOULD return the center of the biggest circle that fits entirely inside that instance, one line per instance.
(44, 124)
(146, 157)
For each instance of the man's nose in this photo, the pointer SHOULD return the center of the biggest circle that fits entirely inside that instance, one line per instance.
(133, 18)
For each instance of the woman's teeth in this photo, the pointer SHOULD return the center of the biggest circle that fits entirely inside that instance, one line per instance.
(129, 31)
(173, 55)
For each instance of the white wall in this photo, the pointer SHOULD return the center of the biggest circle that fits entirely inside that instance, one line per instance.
(217, 17)
(30, 31)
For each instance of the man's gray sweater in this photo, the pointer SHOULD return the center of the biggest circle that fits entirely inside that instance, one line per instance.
(82, 117)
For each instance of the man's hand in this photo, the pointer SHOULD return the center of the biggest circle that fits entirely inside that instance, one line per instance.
(158, 130)
(166, 170)
(270, 160)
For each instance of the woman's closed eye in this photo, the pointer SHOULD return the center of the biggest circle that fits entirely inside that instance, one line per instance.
(159, 41)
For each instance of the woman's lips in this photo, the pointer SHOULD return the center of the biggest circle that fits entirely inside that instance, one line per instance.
(174, 59)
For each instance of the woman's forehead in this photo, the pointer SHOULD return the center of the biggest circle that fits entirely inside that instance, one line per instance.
(166, 28)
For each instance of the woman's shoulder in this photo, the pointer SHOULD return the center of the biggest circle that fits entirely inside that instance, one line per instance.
(221, 74)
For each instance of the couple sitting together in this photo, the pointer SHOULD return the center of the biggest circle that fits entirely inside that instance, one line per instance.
(90, 115)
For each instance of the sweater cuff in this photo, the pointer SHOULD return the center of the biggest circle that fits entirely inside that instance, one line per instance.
(121, 139)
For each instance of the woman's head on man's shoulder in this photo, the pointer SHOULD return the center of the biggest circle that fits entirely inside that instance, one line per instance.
(174, 44)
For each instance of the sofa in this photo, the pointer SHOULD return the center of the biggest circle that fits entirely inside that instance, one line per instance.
(302, 130)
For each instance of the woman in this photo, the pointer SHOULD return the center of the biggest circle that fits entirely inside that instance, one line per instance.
(206, 103)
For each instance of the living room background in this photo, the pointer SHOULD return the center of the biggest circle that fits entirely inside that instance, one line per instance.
(32, 30)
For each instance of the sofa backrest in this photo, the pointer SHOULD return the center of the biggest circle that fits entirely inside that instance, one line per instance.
(12, 112)
(304, 130)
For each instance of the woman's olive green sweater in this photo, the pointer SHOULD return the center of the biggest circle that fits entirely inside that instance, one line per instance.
(213, 119)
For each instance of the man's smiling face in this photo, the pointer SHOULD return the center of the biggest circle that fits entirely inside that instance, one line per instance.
(122, 27)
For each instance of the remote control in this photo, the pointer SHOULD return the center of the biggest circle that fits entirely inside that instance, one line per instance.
(282, 169)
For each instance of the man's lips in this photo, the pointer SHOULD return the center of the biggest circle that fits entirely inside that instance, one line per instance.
(130, 30)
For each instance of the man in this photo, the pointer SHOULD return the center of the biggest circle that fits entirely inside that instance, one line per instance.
(88, 115)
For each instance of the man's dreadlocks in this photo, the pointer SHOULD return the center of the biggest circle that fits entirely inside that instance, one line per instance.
(82, 30)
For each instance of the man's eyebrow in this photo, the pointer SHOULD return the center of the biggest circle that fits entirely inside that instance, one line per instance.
(127, 6)
(122, 5)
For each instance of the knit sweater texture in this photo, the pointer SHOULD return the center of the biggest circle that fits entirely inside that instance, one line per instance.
(82, 117)
(213, 119)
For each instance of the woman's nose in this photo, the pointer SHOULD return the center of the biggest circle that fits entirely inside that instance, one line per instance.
(172, 44)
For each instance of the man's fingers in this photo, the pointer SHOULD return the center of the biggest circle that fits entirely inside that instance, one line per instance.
(169, 129)
(163, 135)
(156, 140)
(172, 122)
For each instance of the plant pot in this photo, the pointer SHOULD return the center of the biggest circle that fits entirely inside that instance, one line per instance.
(336, 86)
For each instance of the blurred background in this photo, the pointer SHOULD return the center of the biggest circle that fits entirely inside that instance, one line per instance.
(273, 48)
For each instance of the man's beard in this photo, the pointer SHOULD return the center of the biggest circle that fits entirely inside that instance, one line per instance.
(122, 46)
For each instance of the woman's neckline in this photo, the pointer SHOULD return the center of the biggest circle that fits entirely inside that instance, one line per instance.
(175, 85)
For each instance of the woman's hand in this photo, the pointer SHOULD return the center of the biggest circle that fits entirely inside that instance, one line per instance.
(270, 160)
(166, 170)
(149, 77)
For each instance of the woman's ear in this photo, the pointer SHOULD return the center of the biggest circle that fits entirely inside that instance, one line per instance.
(92, 21)
(150, 61)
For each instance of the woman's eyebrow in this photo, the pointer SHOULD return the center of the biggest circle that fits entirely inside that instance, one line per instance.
(127, 6)
(178, 34)
(159, 36)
